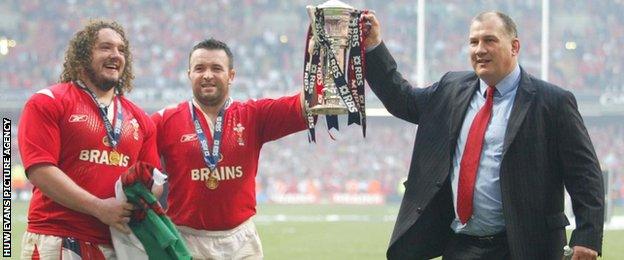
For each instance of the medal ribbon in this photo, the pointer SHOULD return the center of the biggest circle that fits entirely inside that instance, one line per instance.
(114, 135)
(211, 159)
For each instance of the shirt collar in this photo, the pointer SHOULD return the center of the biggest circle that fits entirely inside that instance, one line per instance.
(227, 104)
(508, 84)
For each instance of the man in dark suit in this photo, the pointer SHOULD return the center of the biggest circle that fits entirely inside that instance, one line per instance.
(494, 149)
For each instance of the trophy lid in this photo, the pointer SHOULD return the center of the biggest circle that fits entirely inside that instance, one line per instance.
(335, 4)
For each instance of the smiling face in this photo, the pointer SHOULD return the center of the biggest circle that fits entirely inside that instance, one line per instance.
(493, 50)
(107, 59)
(210, 76)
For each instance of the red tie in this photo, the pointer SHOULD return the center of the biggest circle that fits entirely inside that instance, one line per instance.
(470, 159)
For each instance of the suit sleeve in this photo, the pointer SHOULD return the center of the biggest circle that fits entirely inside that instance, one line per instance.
(397, 95)
(582, 175)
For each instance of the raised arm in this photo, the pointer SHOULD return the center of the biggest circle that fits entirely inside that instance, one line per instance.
(394, 91)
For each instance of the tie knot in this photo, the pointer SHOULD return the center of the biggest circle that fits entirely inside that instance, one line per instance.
(489, 92)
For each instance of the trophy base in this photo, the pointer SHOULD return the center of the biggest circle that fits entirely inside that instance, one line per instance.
(328, 110)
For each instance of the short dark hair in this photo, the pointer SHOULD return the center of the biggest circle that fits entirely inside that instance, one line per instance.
(213, 44)
(508, 23)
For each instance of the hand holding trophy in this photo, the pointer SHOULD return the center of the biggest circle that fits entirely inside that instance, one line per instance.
(333, 47)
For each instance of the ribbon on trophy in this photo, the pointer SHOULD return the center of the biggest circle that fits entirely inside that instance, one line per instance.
(350, 90)
(357, 69)
(309, 83)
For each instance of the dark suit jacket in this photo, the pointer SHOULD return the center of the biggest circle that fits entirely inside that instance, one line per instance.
(546, 146)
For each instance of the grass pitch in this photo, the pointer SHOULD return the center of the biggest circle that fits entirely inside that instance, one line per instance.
(322, 231)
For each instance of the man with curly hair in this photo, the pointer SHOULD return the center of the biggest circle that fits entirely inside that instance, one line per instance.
(76, 138)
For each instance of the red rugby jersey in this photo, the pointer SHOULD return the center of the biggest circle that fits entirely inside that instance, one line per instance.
(61, 125)
(246, 127)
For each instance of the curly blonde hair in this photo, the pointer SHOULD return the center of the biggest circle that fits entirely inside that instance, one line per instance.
(79, 53)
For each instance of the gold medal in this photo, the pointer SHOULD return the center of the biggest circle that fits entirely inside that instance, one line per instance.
(212, 182)
(114, 158)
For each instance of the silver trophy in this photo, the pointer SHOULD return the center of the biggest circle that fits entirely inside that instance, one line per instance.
(336, 16)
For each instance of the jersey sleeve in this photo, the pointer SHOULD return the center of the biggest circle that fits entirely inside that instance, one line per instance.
(157, 118)
(39, 135)
(149, 150)
(279, 117)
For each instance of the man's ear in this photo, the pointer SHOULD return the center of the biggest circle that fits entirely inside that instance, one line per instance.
(232, 74)
(515, 47)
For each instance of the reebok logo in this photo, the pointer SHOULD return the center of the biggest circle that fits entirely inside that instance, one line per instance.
(77, 118)
(188, 138)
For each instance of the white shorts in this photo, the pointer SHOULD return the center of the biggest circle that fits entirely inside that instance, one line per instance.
(48, 247)
(241, 242)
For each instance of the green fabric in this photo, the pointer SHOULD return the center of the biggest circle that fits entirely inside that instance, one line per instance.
(159, 236)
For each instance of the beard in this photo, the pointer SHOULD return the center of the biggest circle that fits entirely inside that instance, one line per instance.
(100, 82)
(210, 100)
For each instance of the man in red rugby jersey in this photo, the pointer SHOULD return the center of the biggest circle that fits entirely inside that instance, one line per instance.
(76, 138)
(210, 146)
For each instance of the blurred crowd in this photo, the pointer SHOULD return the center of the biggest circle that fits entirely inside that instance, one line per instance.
(584, 39)
(268, 37)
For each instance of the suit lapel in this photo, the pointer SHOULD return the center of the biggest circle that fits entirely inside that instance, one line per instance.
(524, 99)
(458, 111)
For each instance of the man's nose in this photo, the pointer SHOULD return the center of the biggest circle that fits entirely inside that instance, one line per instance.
(480, 48)
(117, 54)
